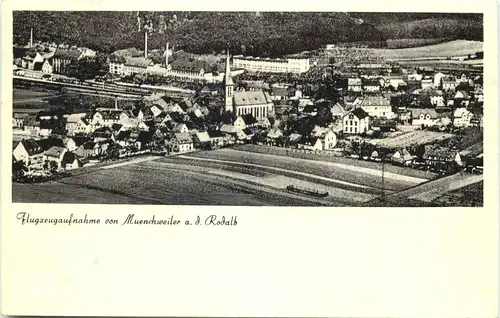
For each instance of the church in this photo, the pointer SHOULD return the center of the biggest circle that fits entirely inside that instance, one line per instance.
(256, 103)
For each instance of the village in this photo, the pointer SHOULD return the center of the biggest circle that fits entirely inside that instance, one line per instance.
(415, 117)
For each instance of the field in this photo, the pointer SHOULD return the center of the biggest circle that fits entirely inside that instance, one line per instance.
(31, 100)
(412, 42)
(413, 138)
(222, 177)
(441, 50)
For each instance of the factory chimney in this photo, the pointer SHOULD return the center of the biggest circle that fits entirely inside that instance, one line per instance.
(146, 44)
(31, 38)
(166, 58)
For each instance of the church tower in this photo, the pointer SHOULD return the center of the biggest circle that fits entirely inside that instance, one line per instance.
(228, 85)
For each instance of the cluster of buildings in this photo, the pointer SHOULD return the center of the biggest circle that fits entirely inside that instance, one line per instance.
(279, 114)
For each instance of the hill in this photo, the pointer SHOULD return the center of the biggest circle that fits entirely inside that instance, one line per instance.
(260, 34)
(452, 26)
(250, 33)
(446, 49)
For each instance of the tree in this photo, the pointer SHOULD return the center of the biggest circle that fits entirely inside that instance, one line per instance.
(84, 69)
(324, 116)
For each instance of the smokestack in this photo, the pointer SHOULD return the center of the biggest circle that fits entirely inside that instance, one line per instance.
(31, 38)
(116, 103)
(166, 58)
(146, 44)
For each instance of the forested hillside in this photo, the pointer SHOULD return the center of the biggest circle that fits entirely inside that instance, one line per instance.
(250, 33)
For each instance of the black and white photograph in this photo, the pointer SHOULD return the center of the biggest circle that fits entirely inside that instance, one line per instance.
(341, 109)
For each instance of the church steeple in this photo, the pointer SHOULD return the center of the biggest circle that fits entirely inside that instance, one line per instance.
(228, 84)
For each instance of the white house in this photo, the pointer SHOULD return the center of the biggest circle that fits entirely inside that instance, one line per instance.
(462, 117)
(329, 140)
(423, 117)
(356, 121)
(376, 106)
(47, 67)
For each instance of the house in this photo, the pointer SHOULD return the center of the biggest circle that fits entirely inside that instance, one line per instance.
(72, 122)
(376, 106)
(355, 122)
(440, 157)
(423, 117)
(329, 140)
(311, 110)
(228, 129)
(55, 154)
(144, 139)
(371, 85)
(281, 93)
(267, 122)
(449, 83)
(402, 157)
(437, 79)
(89, 149)
(182, 142)
(47, 67)
(30, 153)
(82, 126)
(181, 128)
(337, 111)
(201, 139)
(309, 143)
(354, 84)
(462, 98)
(71, 161)
(70, 144)
(273, 135)
(244, 121)
(436, 98)
(176, 108)
(427, 83)
(18, 120)
(62, 58)
(462, 117)
(107, 117)
(30, 59)
(157, 109)
(216, 137)
(394, 81)
(302, 103)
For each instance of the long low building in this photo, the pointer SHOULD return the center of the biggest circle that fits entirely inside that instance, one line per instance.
(268, 65)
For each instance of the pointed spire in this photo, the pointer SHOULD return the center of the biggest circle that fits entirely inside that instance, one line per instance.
(228, 78)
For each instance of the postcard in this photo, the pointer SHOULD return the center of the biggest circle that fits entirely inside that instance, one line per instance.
(250, 159)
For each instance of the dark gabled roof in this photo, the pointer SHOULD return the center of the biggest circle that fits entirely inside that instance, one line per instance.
(72, 55)
(70, 157)
(248, 131)
(310, 109)
(215, 133)
(37, 66)
(308, 140)
(89, 145)
(116, 127)
(370, 82)
(48, 143)
(55, 151)
(32, 147)
(359, 112)
(122, 135)
(80, 140)
(249, 119)
(144, 136)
